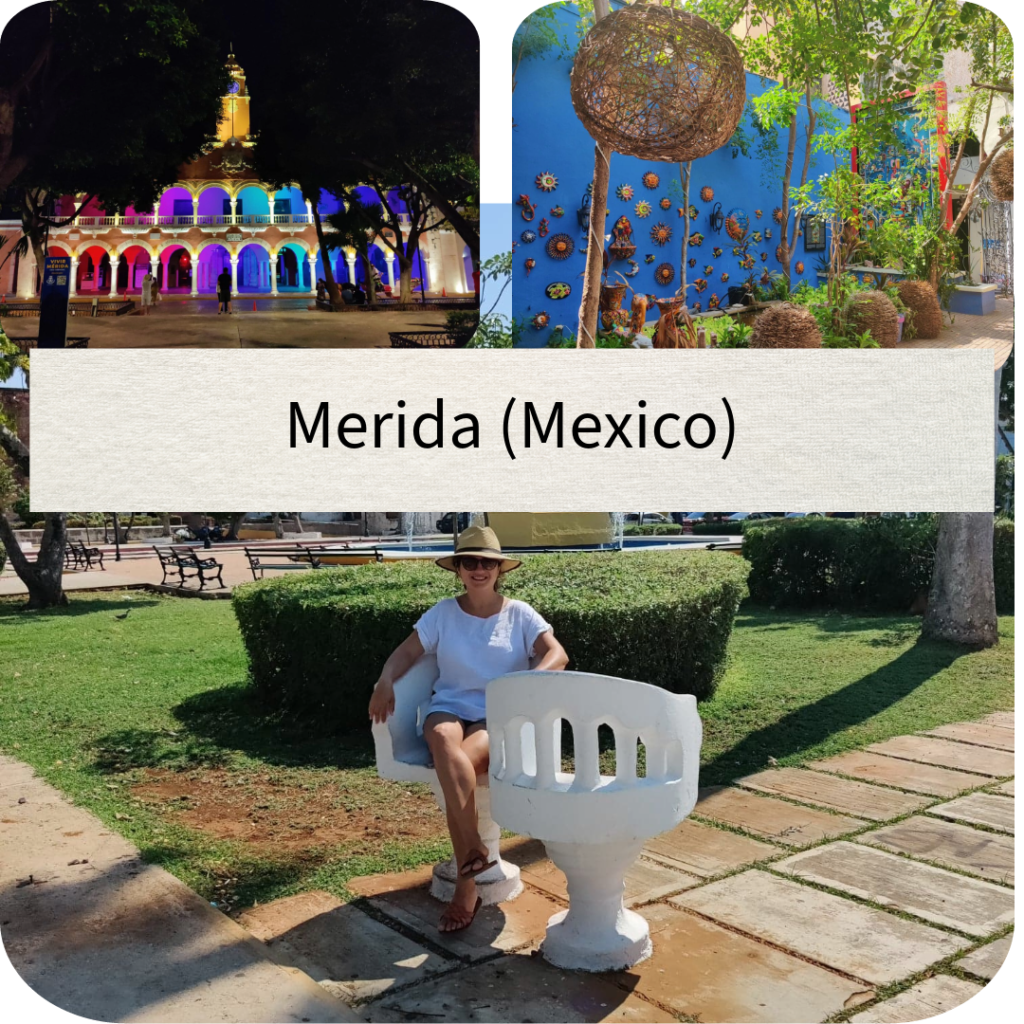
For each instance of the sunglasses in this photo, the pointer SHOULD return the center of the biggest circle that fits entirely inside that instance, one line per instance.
(471, 564)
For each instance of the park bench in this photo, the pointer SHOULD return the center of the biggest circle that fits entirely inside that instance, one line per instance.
(78, 556)
(169, 564)
(430, 339)
(285, 559)
(402, 755)
(192, 566)
(592, 825)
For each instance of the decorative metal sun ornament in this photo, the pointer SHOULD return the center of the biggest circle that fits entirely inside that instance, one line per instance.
(666, 203)
(665, 274)
(528, 237)
(707, 193)
(560, 247)
(777, 215)
(660, 233)
(546, 181)
(799, 267)
(540, 321)
(624, 192)
(643, 209)
(658, 83)
(651, 180)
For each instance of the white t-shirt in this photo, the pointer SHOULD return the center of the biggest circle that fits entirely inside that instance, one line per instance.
(472, 651)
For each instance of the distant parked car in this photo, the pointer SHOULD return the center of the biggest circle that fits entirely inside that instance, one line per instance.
(805, 515)
(739, 516)
(446, 523)
(650, 518)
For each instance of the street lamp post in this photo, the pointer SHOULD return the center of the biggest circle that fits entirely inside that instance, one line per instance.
(117, 539)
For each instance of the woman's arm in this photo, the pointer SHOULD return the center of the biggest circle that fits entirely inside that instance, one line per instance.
(548, 654)
(404, 656)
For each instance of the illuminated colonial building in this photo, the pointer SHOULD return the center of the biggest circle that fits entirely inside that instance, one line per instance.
(220, 216)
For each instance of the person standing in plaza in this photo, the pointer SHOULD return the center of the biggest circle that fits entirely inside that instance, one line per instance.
(147, 292)
(224, 291)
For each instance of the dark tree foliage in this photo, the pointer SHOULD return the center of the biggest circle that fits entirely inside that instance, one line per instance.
(148, 72)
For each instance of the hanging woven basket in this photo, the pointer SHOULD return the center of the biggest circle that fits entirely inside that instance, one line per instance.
(920, 298)
(1000, 175)
(658, 83)
(874, 312)
(786, 326)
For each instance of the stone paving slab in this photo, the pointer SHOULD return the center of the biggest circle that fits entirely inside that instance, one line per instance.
(985, 962)
(1004, 718)
(980, 809)
(646, 880)
(349, 953)
(497, 929)
(859, 799)
(870, 944)
(947, 754)
(893, 771)
(516, 988)
(944, 842)
(1006, 788)
(773, 819)
(981, 733)
(967, 904)
(117, 939)
(932, 997)
(707, 851)
(707, 972)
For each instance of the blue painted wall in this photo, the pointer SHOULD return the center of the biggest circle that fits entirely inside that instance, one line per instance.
(548, 137)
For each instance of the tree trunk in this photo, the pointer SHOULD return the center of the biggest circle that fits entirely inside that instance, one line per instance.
(371, 290)
(278, 528)
(43, 578)
(962, 600)
(15, 449)
(586, 335)
(684, 175)
(299, 528)
(333, 291)
(165, 519)
(128, 528)
(236, 525)
(404, 279)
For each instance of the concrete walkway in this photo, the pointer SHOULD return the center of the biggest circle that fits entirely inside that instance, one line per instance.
(993, 331)
(875, 886)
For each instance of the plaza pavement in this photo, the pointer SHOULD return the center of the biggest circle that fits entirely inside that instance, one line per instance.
(874, 886)
(993, 331)
(277, 323)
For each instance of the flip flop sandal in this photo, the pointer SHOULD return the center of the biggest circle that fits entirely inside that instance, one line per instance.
(472, 859)
(461, 927)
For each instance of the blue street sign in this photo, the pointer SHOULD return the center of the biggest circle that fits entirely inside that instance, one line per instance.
(53, 302)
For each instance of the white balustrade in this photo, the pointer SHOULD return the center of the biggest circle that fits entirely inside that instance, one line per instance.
(403, 755)
(592, 825)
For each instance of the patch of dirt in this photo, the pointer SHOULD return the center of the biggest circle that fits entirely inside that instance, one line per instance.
(287, 812)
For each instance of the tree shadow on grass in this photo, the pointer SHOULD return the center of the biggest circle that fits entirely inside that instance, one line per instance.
(217, 723)
(14, 613)
(812, 724)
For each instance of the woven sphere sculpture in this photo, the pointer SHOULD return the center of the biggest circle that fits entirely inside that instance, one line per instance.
(658, 83)
(1000, 176)
(786, 326)
(874, 312)
(920, 298)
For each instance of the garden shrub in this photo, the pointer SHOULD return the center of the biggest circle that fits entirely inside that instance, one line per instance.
(317, 642)
(876, 564)
(1002, 561)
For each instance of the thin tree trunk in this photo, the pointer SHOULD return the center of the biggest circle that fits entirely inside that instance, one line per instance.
(42, 578)
(684, 176)
(165, 519)
(15, 449)
(236, 525)
(962, 600)
(299, 528)
(786, 179)
(404, 280)
(586, 335)
(278, 528)
(325, 257)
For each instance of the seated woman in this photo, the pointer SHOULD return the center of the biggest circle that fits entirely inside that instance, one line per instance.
(477, 636)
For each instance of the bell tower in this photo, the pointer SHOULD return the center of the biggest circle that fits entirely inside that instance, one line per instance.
(234, 123)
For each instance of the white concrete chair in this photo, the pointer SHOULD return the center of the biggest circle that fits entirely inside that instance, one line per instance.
(592, 825)
(403, 755)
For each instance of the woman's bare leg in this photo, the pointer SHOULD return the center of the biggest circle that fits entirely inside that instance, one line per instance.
(456, 753)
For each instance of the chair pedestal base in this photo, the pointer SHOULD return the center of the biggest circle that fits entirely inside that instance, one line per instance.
(596, 933)
(495, 885)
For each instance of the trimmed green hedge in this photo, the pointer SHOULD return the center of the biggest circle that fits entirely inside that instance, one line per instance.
(876, 564)
(1002, 560)
(317, 641)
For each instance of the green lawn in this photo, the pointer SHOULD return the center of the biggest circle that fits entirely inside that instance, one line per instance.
(146, 721)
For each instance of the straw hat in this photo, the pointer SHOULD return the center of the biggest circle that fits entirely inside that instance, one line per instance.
(483, 542)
